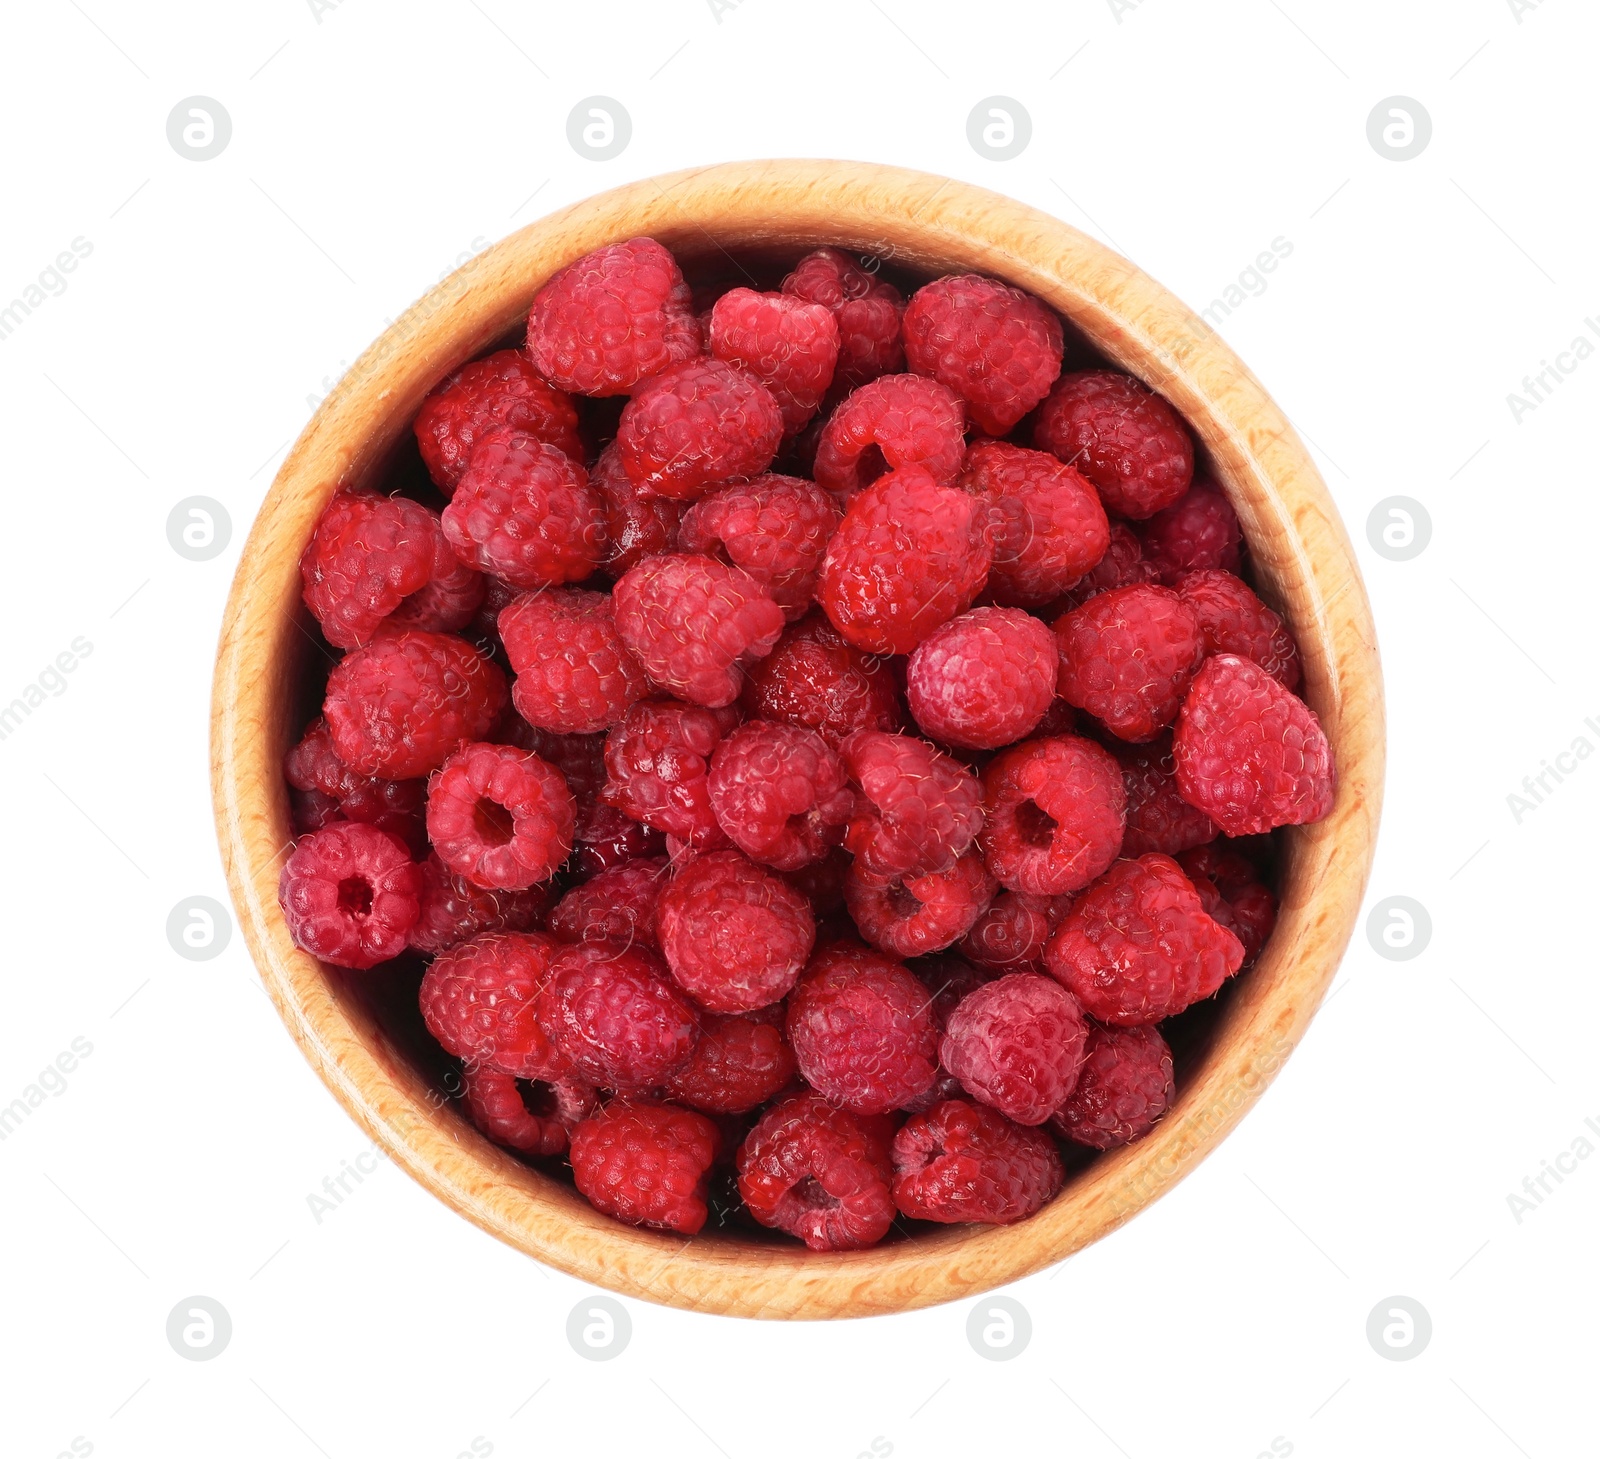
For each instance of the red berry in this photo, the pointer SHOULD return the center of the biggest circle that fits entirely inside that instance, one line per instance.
(537, 1119)
(814, 680)
(1053, 815)
(789, 345)
(1247, 908)
(1249, 753)
(455, 911)
(1159, 818)
(867, 309)
(1011, 932)
(996, 347)
(637, 526)
(314, 767)
(617, 906)
(1234, 621)
(780, 794)
(895, 421)
(1016, 1044)
(646, 1163)
(478, 1000)
(1124, 1087)
(350, 894)
(984, 679)
(500, 816)
(605, 838)
(741, 1061)
(917, 809)
(1198, 531)
(656, 767)
(1138, 945)
(695, 624)
(922, 914)
(961, 1162)
(1123, 566)
(574, 675)
(909, 555)
(735, 936)
(615, 316)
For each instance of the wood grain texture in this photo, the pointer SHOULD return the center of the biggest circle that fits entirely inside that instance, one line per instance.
(1303, 560)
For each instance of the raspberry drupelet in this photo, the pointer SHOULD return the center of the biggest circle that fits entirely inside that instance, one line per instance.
(500, 817)
(350, 894)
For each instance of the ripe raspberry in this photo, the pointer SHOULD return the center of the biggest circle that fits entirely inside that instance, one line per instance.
(741, 1061)
(814, 680)
(917, 810)
(1123, 566)
(961, 1162)
(1011, 932)
(780, 794)
(1048, 526)
(537, 1119)
(1138, 946)
(695, 624)
(1247, 908)
(524, 512)
(1249, 753)
(700, 423)
(1125, 438)
(400, 706)
(819, 1173)
(656, 767)
(922, 914)
(736, 937)
(484, 630)
(1124, 1087)
(909, 555)
(862, 1031)
(637, 526)
(574, 675)
(615, 316)
(996, 347)
(500, 816)
(372, 557)
(776, 528)
(821, 883)
(502, 389)
(789, 345)
(455, 911)
(313, 767)
(1127, 657)
(614, 1013)
(350, 894)
(1159, 819)
(478, 999)
(1198, 531)
(1234, 621)
(1016, 1044)
(605, 838)
(984, 679)
(895, 421)
(1053, 813)
(867, 309)
(618, 906)
(646, 1163)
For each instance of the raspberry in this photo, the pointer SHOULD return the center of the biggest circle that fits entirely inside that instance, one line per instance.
(741, 1061)
(484, 630)
(1234, 621)
(618, 906)
(961, 1162)
(1247, 908)
(524, 512)
(1016, 1044)
(1125, 438)
(697, 424)
(867, 309)
(789, 345)
(537, 1119)
(909, 555)
(500, 817)
(814, 680)
(502, 389)
(996, 347)
(1048, 526)
(895, 421)
(574, 676)
(984, 679)
(455, 911)
(656, 767)
(821, 883)
(646, 1163)
(1159, 819)
(1198, 531)
(1124, 1087)
(819, 1173)
(862, 1031)
(400, 706)
(613, 1012)
(780, 794)
(615, 316)
(373, 557)
(1123, 566)
(478, 999)
(1011, 932)
(735, 936)
(350, 894)
(917, 809)
(922, 914)
(313, 767)
(1138, 946)
(606, 838)
(776, 528)
(1053, 814)
(1127, 657)
(637, 526)
(1249, 753)
(695, 623)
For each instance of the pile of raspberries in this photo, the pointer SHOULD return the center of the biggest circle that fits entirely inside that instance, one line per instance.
(824, 843)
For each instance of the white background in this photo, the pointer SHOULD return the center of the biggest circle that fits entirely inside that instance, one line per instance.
(375, 146)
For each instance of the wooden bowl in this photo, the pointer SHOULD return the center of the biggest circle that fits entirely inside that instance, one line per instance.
(928, 225)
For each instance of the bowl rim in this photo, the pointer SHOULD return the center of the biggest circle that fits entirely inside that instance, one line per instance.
(1304, 564)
